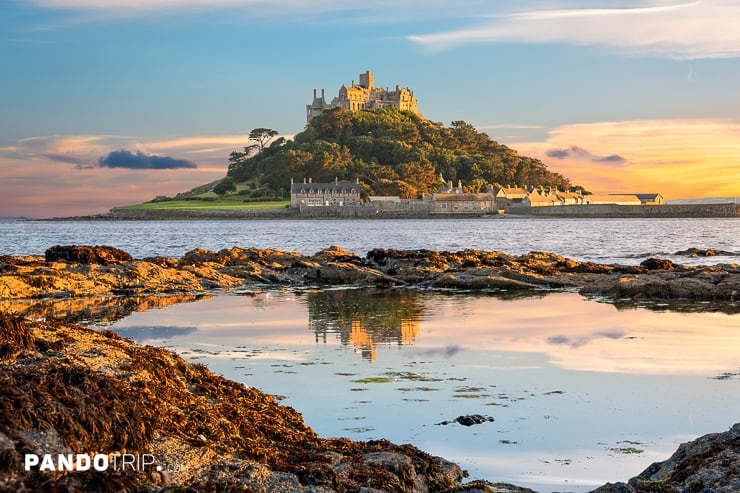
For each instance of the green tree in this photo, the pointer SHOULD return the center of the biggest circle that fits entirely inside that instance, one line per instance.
(389, 151)
(225, 186)
(261, 137)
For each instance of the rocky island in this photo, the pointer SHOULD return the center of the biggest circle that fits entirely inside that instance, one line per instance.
(68, 390)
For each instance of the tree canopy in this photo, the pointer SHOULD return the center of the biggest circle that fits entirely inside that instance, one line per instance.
(392, 152)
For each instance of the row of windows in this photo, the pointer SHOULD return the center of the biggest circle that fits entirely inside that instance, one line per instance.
(483, 206)
(340, 194)
(319, 203)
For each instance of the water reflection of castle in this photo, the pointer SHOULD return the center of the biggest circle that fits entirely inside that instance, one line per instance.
(365, 319)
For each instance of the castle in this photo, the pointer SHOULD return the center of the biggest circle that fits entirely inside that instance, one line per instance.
(363, 96)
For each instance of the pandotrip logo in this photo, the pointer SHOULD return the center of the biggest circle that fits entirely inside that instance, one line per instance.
(98, 462)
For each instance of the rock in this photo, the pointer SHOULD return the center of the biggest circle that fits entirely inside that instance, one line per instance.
(488, 487)
(709, 463)
(198, 256)
(615, 488)
(10, 459)
(462, 281)
(657, 264)
(469, 420)
(698, 252)
(201, 269)
(103, 255)
(335, 254)
(473, 419)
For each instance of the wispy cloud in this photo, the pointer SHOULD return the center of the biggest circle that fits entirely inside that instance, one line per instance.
(700, 29)
(516, 126)
(379, 11)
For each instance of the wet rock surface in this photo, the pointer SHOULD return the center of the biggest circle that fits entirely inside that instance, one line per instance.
(101, 271)
(710, 463)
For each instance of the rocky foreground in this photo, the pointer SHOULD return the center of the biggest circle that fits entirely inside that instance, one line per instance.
(69, 390)
(65, 389)
(82, 271)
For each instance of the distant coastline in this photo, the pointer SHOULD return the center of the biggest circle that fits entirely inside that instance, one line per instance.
(574, 211)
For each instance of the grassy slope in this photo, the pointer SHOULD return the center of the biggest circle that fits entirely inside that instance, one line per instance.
(231, 201)
(218, 204)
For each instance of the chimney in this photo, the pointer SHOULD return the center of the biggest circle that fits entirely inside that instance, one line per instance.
(314, 93)
(322, 94)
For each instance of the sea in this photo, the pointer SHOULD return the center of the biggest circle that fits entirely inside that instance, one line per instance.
(624, 241)
(573, 392)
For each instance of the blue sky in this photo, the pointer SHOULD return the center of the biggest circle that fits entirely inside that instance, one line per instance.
(571, 82)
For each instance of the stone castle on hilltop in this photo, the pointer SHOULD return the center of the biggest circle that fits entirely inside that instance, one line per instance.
(363, 96)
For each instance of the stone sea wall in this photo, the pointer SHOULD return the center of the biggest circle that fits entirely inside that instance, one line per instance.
(613, 210)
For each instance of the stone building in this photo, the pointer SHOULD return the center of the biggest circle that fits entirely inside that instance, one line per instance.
(451, 200)
(647, 198)
(309, 194)
(614, 199)
(363, 96)
(506, 196)
(451, 203)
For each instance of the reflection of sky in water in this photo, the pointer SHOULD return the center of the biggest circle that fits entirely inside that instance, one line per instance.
(146, 333)
(569, 382)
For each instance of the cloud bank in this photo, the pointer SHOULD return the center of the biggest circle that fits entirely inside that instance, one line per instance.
(139, 160)
(699, 29)
(581, 153)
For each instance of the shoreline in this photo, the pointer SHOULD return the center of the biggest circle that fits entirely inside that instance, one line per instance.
(668, 211)
(84, 271)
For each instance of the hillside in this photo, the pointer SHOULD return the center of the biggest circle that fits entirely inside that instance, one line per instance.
(391, 152)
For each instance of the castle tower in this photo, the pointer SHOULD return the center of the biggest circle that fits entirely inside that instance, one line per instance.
(363, 96)
(367, 79)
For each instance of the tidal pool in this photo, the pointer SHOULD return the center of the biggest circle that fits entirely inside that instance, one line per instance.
(580, 392)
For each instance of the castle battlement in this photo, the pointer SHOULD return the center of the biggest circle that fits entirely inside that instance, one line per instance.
(363, 96)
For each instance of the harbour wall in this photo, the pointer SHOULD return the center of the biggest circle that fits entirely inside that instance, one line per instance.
(613, 210)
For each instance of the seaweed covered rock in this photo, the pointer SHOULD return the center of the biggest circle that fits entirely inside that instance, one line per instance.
(103, 255)
(657, 264)
(70, 390)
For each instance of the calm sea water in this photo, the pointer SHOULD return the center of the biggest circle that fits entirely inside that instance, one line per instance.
(626, 241)
(581, 393)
